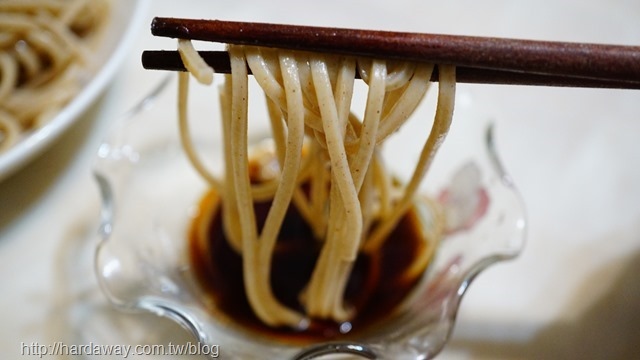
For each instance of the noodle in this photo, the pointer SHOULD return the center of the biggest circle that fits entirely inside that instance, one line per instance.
(43, 43)
(350, 201)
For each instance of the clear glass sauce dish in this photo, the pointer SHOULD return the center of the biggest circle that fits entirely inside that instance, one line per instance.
(150, 195)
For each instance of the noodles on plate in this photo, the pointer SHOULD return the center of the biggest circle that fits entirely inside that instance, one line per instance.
(330, 162)
(43, 46)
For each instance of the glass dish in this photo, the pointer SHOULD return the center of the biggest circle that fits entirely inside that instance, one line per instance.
(150, 193)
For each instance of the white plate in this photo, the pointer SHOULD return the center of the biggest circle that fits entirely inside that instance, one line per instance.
(126, 16)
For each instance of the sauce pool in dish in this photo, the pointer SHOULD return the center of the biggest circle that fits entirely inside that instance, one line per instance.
(377, 286)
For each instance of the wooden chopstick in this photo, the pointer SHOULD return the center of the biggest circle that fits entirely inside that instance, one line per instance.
(492, 60)
(219, 61)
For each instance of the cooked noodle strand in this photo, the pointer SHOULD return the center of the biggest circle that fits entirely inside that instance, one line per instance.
(337, 181)
(45, 51)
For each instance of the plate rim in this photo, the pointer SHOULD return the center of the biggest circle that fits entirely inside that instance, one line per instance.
(28, 148)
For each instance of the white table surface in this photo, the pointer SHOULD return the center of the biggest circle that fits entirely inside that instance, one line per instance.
(574, 153)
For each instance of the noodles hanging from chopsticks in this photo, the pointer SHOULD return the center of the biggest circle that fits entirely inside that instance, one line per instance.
(350, 201)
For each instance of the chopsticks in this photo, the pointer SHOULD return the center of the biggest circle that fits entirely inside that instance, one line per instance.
(478, 59)
(219, 61)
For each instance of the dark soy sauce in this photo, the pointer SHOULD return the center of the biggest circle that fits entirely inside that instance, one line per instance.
(378, 283)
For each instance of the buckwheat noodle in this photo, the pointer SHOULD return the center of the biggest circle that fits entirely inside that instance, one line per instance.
(350, 201)
(43, 43)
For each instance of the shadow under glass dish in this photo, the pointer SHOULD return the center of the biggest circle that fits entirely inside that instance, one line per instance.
(151, 195)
